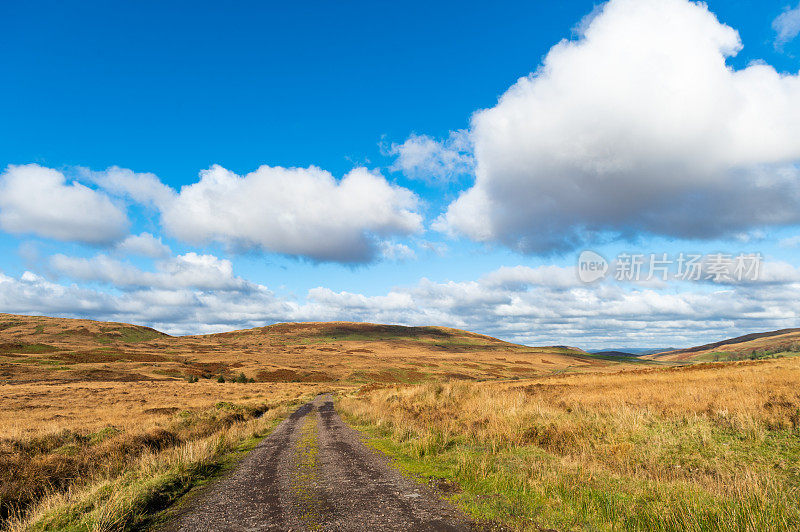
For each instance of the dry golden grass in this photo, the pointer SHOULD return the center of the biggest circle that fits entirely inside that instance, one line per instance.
(127, 497)
(701, 447)
(57, 436)
(30, 409)
(764, 392)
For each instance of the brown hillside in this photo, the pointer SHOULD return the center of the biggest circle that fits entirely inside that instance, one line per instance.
(67, 333)
(755, 345)
(41, 349)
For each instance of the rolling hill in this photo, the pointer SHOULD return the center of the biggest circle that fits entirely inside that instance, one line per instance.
(749, 346)
(42, 349)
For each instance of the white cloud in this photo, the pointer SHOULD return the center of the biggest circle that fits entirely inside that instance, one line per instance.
(639, 127)
(396, 251)
(421, 157)
(544, 305)
(302, 212)
(518, 276)
(294, 211)
(32, 294)
(786, 26)
(776, 272)
(172, 310)
(145, 245)
(143, 188)
(326, 305)
(203, 272)
(38, 200)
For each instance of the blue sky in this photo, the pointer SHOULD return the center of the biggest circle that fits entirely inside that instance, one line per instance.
(170, 89)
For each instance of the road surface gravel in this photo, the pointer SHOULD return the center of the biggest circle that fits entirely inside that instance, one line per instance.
(313, 472)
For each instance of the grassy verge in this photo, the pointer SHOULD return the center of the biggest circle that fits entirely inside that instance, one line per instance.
(549, 457)
(131, 495)
(526, 488)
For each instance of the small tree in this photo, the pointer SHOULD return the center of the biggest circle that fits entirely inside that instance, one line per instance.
(221, 379)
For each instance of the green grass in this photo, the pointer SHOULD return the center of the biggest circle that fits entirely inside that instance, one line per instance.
(127, 335)
(428, 335)
(141, 498)
(530, 487)
(306, 476)
(46, 362)
(350, 337)
(20, 348)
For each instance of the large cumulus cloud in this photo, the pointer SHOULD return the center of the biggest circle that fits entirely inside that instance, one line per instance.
(638, 127)
(294, 211)
(39, 201)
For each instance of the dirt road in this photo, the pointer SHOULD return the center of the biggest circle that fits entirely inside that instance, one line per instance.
(314, 473)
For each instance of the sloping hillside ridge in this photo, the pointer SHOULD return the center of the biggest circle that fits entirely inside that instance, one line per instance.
(753, 345)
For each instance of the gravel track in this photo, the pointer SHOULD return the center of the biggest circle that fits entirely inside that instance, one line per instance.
(314, 473)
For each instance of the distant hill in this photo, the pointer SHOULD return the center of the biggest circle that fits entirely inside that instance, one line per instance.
(614, 353)
(631, 351)
(42, 349)
(754, 345)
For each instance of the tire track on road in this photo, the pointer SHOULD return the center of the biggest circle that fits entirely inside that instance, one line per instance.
(314, 473)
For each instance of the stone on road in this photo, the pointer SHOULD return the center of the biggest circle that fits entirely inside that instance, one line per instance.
(314, 473)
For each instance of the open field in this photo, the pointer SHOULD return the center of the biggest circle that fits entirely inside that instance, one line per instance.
(704, 447)
(103, 425)
(82, 403)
